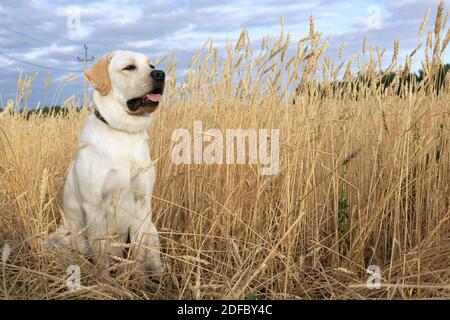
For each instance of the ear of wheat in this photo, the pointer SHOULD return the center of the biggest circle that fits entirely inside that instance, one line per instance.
(364, 178)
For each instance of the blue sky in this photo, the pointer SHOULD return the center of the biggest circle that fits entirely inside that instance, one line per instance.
(43, 33)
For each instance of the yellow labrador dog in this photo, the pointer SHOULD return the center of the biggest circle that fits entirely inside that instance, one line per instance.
(107, 194)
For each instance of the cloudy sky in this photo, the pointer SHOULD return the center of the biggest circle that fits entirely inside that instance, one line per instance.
(41, 36)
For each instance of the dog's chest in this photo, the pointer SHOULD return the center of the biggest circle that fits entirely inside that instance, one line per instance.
(132, 175)
(128, 191)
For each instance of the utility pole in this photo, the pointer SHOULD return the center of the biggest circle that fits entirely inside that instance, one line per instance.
(86, 85)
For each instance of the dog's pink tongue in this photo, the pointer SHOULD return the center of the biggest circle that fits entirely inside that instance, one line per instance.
(154, 97)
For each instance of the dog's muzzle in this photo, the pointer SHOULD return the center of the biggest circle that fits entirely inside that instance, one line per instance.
(158, 75)
(150, 101)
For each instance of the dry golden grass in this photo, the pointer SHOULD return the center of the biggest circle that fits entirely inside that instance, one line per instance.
(364, 180)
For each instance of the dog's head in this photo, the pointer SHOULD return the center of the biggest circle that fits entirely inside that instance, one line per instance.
(130, 79)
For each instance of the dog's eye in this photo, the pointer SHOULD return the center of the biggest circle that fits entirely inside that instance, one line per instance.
(130, 67)
(152, 66)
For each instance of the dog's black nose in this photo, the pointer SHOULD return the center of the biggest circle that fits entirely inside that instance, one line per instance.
(158, 75)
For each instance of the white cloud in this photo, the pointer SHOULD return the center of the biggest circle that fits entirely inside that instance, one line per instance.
(160, 27)
(141, 44)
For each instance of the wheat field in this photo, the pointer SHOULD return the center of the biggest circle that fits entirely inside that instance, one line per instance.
(364, 179)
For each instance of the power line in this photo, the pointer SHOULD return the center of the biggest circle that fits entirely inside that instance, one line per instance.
(41, 30)
(4, 36)
(32, 38)
(39, 65)
(25, 35)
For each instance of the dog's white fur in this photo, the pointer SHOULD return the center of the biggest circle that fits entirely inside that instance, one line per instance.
(107, 195)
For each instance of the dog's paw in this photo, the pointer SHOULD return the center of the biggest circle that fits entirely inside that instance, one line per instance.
(58, 240)
(154, 282)
(155, 265)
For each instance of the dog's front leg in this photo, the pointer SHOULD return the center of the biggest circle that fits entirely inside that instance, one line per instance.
(143, 233)
(145, 239)
(97, 232)
(96, 207)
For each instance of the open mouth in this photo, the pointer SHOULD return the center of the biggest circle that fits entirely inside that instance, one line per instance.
(148, 102)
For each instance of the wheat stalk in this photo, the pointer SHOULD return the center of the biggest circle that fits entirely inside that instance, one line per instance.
(362, 180)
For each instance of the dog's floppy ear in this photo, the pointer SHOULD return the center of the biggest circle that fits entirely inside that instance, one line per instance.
(98, 75)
